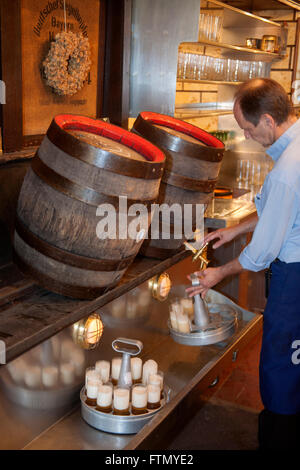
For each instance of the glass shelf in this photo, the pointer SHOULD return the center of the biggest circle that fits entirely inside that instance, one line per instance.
(210, 82)
(201, 114)
(198, 110)
(239, 18)
(244, 53)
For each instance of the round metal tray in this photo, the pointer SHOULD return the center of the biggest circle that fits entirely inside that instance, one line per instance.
(40, 399)
(222, 326)
(115, 424)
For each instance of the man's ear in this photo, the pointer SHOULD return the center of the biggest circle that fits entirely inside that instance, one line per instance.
(268, 120)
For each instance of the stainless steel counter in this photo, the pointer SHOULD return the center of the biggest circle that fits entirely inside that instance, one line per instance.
(187, 369)
(228, 212)
(31, 420)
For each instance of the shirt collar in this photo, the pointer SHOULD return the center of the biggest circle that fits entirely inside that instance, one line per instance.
(284, 140)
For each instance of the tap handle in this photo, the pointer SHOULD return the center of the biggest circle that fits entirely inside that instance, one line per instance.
(198, 254)
(133, 347)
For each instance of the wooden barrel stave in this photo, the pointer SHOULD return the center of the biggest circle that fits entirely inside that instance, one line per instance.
(97, 178)
(185, 166)
(48, 212)
(61, 271)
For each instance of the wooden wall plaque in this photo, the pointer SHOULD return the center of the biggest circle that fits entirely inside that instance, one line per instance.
(40, 22)
(27, 28)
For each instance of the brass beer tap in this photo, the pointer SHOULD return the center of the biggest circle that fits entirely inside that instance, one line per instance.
(201, 312)
(198, 254)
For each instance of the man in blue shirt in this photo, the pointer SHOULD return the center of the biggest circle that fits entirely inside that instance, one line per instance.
(263, 110)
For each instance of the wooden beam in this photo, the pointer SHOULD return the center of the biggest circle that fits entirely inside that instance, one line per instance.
(117, 61)
(101, 58)
(11, 59)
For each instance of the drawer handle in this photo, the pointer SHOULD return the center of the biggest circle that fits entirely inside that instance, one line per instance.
(234, 356)
(214, 382)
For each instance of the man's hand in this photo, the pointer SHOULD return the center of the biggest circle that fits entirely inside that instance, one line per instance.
(224, 235)
(208, 278)
(212, 276)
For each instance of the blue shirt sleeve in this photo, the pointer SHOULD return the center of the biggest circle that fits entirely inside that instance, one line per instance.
(278, 212)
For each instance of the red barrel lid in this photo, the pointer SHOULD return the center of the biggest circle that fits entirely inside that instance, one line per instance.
(102, 128)
(183, 127)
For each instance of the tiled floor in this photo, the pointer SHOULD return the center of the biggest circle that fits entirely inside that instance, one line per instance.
(228, 418)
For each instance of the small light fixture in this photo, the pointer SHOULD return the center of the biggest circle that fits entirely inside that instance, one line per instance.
(88, 331)
(160, 286)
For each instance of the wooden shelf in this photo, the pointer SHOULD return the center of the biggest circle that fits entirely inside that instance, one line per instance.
(30, 314)
(20, 155)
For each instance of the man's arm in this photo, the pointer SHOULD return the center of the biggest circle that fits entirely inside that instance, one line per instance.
(212, 276)
(271, 230)
(225, 235)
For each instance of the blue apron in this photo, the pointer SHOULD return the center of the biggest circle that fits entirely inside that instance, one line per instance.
(279, 369)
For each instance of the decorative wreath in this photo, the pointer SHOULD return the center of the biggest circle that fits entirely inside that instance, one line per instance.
(68, 62)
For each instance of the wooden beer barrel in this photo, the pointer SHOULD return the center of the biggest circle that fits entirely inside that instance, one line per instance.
(193, 160)
(83, 164)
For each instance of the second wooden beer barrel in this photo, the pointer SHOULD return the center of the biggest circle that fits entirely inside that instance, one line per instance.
(83, 165)
(193, 160)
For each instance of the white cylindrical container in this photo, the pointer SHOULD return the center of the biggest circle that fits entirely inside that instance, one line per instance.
(104, 398)
(176, 307)
(155, 379)
(136, 369)
(91, 373)
(183, 323)
(139, 399)
(150, 367)
(33, 376)
(67, 373)
(17, 369)
(188, 306)
(121, 401)
(103, 367)
(115, 369)
(153, 397)
(173, 319)
(158, 380)
(92, 387)
(50, 376)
